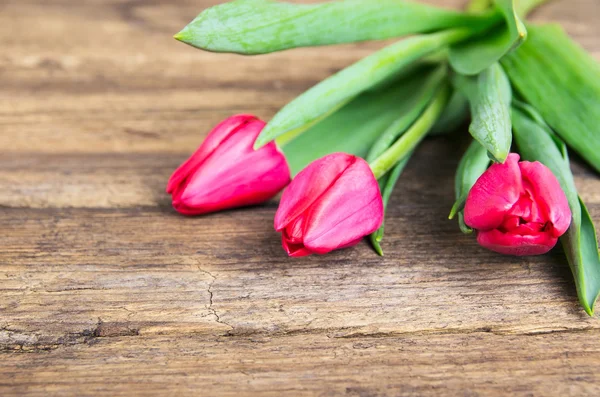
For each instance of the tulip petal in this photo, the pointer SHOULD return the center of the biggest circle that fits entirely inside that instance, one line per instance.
(294, 250)
(231, 151)
(349, 210)
(494, 194)
(251, 179)
(514, 244)
(295, 230)
(309, 185)
(214, 138)
(548, 195)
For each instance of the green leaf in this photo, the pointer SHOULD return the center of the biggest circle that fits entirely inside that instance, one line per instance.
(337, 90)
(386, 186)
(409, 140)
(263, 26)
(489, 95)
(355, 127)
(562, 82)
(455, 113)
(412, 106)
(582, 252)
(472, 165)
(473, 56)
(537, 142)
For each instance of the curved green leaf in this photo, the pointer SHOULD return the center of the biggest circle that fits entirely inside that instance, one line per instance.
(358, 125)
(263, 26)
(562, 82)
(456, 113)
(409, 140)
(471, 166)
(337, 90)
(537, 142)
(584, 256)
(489, 95)
(412, 107)
(473, 56)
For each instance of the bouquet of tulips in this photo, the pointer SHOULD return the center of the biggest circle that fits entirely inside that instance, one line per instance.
(339, 148)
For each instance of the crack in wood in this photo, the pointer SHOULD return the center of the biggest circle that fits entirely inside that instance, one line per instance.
(210, 307)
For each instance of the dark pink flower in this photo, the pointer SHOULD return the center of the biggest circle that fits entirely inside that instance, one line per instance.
(331, 204)
(518, 208)
(226, 172)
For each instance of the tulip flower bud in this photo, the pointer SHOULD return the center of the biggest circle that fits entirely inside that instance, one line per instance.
(331, 204)
(518, 208)
(226, 172)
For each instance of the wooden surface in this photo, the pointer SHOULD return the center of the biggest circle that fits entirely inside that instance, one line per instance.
(106, 291)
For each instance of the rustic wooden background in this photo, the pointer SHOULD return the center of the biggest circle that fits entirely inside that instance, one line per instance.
(105, 290)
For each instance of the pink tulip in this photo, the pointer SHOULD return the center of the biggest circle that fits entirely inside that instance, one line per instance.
(331, 204)
(226, 172)
(518, 208)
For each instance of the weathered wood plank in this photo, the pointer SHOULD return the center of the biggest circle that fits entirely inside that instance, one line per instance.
(479, 363)
(65, 269)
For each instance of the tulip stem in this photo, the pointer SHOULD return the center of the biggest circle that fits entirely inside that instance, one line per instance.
(413, 136)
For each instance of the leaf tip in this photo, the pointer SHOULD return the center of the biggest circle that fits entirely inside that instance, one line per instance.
(182, 36)
(498, 156)
(258, 143)
(375, 242)
(378, 248)
(453, 211)
(458, 206)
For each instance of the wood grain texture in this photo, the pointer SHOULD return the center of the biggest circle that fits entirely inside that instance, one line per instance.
(105, 290)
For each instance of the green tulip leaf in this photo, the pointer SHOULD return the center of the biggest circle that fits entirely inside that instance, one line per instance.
(473, 56)
(264, 26)
(359, 124)
(337, 90)
(537, 142)
(454, 115)
(472, 165)
(413, 106)
(562, 82)
(410, 139)
(386, 186)
(489, 95)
